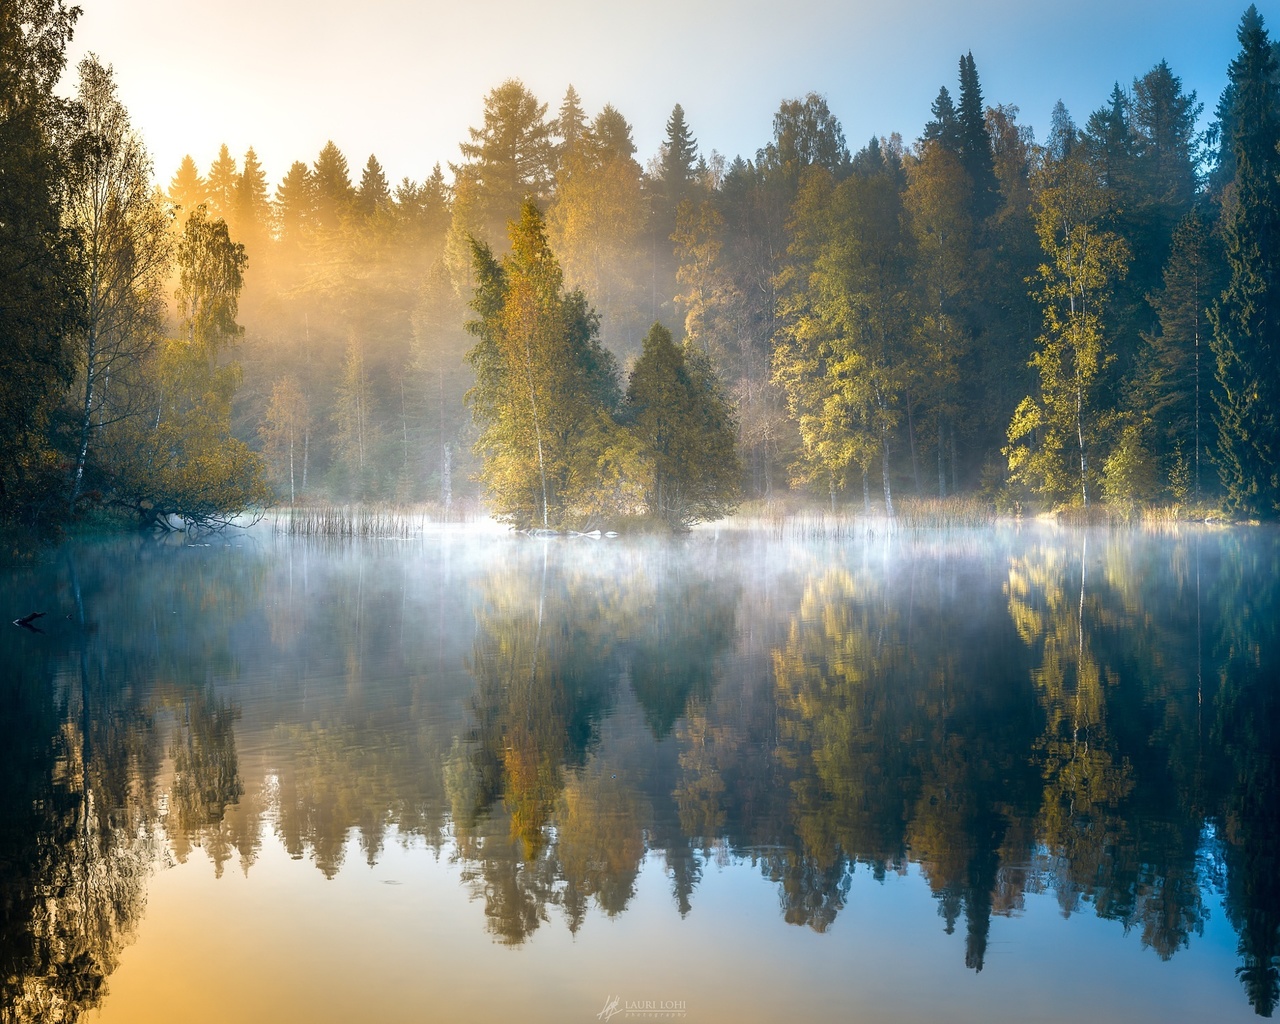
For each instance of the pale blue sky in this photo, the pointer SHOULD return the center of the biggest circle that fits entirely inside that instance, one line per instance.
(405, 79)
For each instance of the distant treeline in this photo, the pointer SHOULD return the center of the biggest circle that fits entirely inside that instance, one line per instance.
(1087, 319)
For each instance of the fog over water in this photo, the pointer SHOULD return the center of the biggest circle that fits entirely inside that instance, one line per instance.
(748, 774)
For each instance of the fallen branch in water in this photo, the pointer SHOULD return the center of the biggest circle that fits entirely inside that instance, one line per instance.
(26, 622)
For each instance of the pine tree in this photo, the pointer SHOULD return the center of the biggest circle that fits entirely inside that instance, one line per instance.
(1244, 318)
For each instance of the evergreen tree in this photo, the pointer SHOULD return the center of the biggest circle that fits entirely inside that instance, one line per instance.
(295, 205)
(372, 196)
(220, 186)
(1245, 317)
(685, 433)
(942, 226)
(610, 135)
(975, 143)
(1164, 123)
(509, 159)
(1172, 386)
(1063, 134)
(570, 124)
(840, 353)
(943, 128)
(187, 190)
(678, 162)
(1112, 144)
(331, 187)
(252, 217)
(596, 222)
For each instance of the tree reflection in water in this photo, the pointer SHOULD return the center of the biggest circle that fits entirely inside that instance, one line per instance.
(1090, 716)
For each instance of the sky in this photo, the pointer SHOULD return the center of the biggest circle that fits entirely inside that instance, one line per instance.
(405, 79)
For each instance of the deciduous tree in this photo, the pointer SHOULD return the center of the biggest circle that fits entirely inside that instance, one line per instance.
(124, 251)
(545, 388)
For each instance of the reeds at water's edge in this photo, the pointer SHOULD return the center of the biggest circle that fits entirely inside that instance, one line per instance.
(363, 522)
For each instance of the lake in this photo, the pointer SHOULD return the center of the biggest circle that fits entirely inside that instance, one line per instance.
(1024, 773)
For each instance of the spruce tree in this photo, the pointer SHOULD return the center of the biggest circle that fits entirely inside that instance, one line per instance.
(685, 432)
(943, 128)
(570, 124)
(295, 205)
(187, 189)
(1247, 314)
(509, 159)
(679, 159)
(221, 185)
(975, 142)
(373, 195)
(1174, 371)
(252, 207)
(331, 187)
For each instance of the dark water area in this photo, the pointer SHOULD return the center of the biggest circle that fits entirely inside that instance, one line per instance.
(1025, 773)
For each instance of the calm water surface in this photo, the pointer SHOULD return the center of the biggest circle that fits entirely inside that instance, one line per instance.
(1012, 775)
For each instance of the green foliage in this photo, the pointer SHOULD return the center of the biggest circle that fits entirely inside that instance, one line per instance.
(180, 462)
(685, 431)
(1172, 379)
(509, 159)
(1243, 318)
(124, 259)
(1055, 437)
(545, 388)
(1129, 473)
(840, 355)
(211, 274)
(185, 467)
(39, 307)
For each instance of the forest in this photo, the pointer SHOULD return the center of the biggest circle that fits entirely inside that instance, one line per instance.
(552, 330)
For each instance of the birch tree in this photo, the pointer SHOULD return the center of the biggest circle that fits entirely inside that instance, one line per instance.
(124, 257)
(1054, 435)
